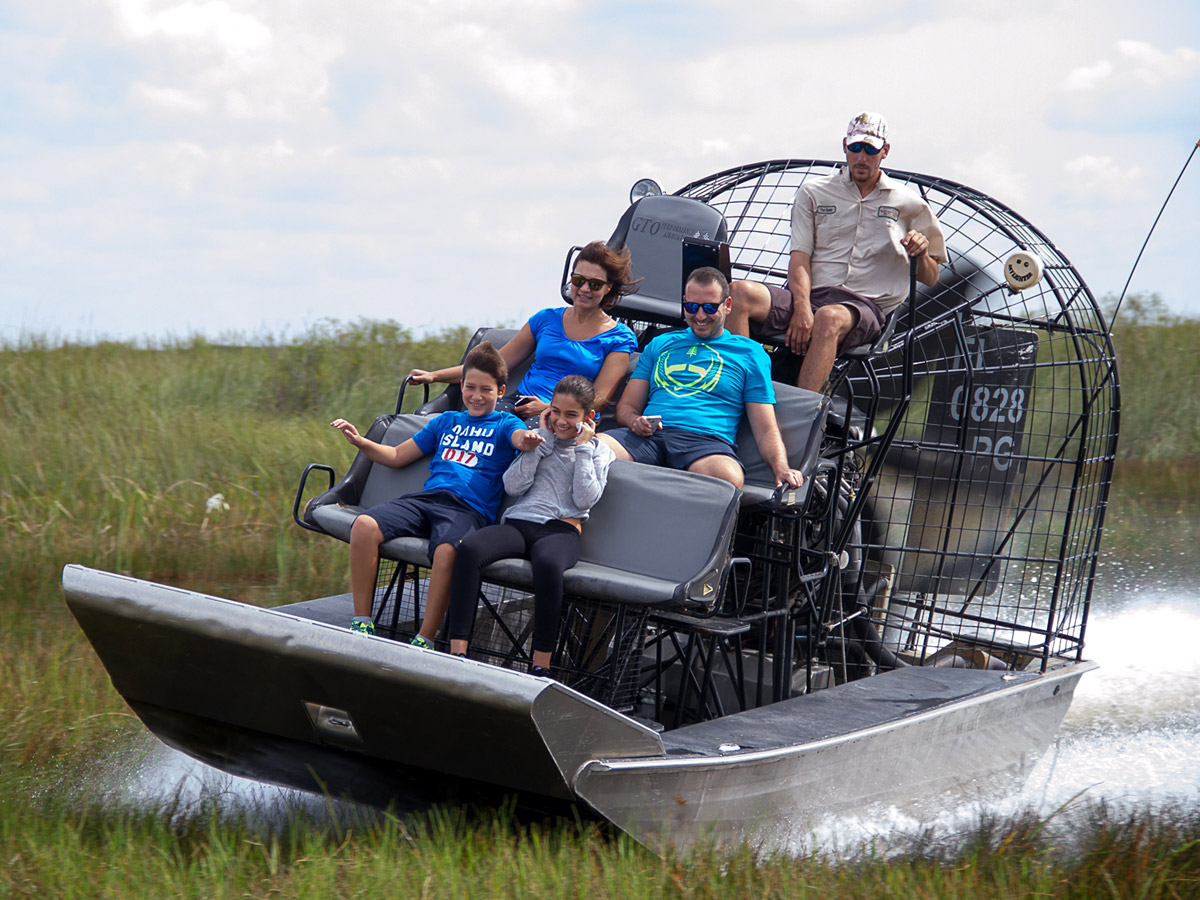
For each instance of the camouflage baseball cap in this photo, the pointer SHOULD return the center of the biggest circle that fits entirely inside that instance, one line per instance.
(869, 127)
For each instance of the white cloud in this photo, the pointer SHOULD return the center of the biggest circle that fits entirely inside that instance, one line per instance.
(215, 23)
(267, 160)
(1154, 67)
(1091, 173)
(210, 57)
(1087, 77)
(168, 98)
(1137, 62)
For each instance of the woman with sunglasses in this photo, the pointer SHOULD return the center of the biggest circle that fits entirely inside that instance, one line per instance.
(582, 339)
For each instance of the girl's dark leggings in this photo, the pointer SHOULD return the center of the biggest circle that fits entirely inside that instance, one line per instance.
(551, 547)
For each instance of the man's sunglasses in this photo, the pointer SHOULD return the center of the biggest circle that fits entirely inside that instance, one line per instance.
(710, 309)
(861, 147)
(594, 283)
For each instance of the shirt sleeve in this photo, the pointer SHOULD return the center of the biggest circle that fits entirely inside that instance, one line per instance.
(538, 321)
(592, 461)
(803, 226)
(926, 222)
(645, 363)
(620, 340)
(427, 437)
(518, 477)
(758, 377)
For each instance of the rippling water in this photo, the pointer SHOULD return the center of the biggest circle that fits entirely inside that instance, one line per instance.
(1131, 739)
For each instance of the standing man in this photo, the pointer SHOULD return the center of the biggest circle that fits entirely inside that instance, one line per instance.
(683, 403)
(853, 233)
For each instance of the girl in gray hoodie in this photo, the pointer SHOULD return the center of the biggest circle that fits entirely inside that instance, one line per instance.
(555, 485)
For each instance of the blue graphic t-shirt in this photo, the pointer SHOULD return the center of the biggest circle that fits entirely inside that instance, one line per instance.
(557, 356)
(704, 386)
(470, 454)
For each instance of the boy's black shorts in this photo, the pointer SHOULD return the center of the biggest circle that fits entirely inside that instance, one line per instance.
(441, 516)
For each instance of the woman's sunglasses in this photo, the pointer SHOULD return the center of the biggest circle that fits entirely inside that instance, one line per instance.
(862, 147)
(594, 283)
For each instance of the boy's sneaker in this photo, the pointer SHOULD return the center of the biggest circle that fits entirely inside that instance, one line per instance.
(540, 672)
(419, 641)
(362, 625)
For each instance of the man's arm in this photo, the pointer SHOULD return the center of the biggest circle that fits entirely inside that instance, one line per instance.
(770, 443)
(917, 246)
(632, 402)
(800, 286)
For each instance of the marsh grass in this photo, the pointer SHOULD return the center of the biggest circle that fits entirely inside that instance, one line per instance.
(112, 454)
(77, 851)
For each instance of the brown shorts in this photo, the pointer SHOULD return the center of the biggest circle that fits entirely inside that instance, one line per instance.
(870, 317)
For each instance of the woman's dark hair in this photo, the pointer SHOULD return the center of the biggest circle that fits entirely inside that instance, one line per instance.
(579, 389)
(487, 359)
(618, 270)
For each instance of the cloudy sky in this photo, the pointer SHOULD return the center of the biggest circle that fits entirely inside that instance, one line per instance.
(252, 167)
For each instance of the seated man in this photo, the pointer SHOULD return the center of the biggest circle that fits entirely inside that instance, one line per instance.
(853, 233)
(686, 396)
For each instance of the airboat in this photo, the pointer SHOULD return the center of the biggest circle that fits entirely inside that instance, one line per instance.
(731, 664)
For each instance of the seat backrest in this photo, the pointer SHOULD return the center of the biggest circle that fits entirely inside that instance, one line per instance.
(451, 397)
(801, 415)
(659, 522)
(383, 482)
(654, 229)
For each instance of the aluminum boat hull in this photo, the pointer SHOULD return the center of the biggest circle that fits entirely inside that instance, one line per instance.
(286, 696)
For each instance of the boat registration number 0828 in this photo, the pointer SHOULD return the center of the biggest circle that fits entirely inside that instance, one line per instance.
(996, 404)
(981, 399)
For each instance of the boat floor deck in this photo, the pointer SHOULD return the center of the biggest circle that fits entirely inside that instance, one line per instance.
(825, 714)
(836, 711)
(335, 610)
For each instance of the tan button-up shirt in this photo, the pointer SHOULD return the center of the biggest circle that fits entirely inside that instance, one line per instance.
(854, 241)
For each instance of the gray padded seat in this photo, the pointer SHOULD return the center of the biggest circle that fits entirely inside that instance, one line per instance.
(451, 397)
(801, 415)
(654, 229)
(657, 536)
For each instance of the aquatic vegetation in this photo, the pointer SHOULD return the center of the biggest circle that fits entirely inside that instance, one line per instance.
(114, 457)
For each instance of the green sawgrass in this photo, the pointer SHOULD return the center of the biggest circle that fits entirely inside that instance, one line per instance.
(111, 455)
(1160, 381)
(87, 851)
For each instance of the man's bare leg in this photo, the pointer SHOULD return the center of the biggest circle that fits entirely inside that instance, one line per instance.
(613, 444)
(751, 303)
(718, 465)
(437, 600)
(830, 325)
(365, 538)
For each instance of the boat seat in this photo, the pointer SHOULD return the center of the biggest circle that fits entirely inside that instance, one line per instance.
(656, 537)
(667, 237)
(801, 415)
(451, 397)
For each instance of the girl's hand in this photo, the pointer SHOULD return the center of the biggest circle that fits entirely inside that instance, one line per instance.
(348, 431)
(544, 418)
(587, 430)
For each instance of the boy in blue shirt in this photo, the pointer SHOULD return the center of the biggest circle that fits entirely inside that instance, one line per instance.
(463, 491)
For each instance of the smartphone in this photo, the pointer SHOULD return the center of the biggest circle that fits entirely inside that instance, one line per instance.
(579, 428)
(655, 422)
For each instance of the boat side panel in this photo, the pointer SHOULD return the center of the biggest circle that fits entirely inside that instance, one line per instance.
(298, 680)
(774, 797)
